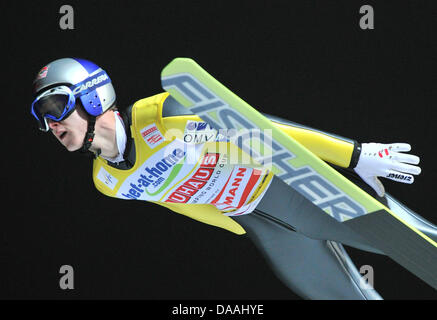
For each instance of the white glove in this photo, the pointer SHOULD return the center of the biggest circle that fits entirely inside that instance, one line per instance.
(384, 160)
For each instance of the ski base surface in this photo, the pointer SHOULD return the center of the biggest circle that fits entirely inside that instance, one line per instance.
(304, 172)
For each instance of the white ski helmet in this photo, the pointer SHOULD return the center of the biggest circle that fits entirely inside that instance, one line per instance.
(61, 82)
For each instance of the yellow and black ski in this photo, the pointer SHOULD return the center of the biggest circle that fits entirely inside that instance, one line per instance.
(303, 171)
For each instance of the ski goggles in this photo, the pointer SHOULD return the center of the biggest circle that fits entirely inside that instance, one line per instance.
(55, 104)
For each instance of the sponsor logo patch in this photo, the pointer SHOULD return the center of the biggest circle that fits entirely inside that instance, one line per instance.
(399, 176)
(90, 83)
(109, 180)
(152, 136)
(201, 132)
(197, 181)
(43, 73)
(155, 175)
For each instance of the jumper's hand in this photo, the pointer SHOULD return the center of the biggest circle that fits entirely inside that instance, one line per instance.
(385, 160)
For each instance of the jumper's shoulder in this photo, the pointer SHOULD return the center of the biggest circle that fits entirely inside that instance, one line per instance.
(151, 100)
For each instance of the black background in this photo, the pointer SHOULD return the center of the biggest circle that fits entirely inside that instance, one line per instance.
(307, 61)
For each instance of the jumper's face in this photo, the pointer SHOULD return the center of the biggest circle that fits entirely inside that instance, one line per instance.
(71, 131)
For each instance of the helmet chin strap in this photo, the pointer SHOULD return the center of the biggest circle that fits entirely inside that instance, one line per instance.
(89, 138)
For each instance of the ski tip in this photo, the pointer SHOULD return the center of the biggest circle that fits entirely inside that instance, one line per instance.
(182, 60)
(176, 62)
